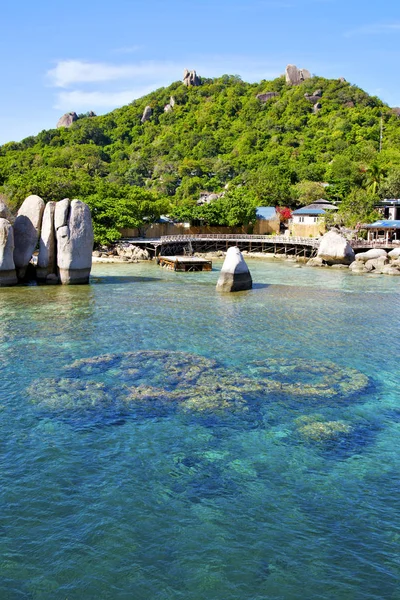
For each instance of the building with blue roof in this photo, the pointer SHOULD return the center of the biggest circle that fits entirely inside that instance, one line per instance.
(384, 230)
(309, 221)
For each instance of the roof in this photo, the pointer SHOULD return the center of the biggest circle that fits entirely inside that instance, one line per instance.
(390, 202)
(308, 211)
(322, 203)
(266, 212)
(384, 225)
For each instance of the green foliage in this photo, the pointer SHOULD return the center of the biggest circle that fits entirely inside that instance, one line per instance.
(217, 134)
(358, 207)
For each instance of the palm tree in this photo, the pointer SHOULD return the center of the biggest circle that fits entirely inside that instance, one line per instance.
(374, 177)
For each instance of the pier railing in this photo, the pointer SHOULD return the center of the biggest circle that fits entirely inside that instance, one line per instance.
(273, 239)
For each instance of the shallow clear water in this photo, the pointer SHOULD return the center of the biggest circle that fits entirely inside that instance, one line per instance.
(241, 446)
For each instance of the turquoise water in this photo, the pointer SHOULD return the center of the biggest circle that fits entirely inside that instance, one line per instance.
(232, 447)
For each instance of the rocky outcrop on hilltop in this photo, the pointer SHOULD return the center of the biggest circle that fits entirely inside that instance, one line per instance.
(235, 275)
(67, 119)
(148, 111)
(294, 76)
(190, 78)
(266, 96)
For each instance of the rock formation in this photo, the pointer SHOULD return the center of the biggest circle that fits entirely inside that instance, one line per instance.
(146, 114)
(169, 107)
(47, 264)
(267, 96)
(315, 97)
(294, 76)
(371, 254)
(26, 232)
(7, 268)
(74, 233)
(4, 211)
(335, 249)
(190, 78)
(67, 120)
(235, 275)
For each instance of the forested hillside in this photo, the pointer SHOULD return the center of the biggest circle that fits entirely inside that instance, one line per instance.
(217, 136)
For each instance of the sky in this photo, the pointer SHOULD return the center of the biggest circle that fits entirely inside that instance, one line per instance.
(58, 56)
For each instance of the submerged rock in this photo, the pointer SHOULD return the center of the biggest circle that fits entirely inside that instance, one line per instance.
(74, 232)
(46, 264)
(26, 232)
(235, 275)
(7, 267)
(335, 249)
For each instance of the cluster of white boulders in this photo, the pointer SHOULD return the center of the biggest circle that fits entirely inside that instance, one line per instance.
(335, 251)
(131, 253)
(65, 234)
(235, 275)
(377, 261)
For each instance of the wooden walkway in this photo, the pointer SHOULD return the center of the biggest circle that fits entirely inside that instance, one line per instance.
(273, 244)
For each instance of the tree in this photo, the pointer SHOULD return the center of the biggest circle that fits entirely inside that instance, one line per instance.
(307, 192)
(358, 207)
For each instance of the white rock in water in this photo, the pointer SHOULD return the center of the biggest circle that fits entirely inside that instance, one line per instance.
(334, 249)
(395, 253)
(7, 267)
(74, 243)
(235, 275)
(26, 232)
(370, 254)
(46, 264)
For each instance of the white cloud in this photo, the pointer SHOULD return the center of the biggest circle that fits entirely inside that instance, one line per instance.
(79, 100)
(69, 72)
(374, 29)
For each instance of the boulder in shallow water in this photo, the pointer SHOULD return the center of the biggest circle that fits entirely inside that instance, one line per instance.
(235, 275)
(74, 241)
(46, 264)
(394, 254)
(315, 262)
(26, 232)
(335, 249)
(7, 267)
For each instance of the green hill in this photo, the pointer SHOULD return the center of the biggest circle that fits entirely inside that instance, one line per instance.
(217, 136)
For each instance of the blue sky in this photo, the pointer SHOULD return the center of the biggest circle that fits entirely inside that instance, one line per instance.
(60, 56)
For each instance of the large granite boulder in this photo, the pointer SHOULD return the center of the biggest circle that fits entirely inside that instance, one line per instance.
(7, 268)
(26, 232)
(74, 233)
(235, 275)
(148, 111)
(294, 76)
(394, 254)
(358, 267)
(335, 249)
(67, 119)
(266, 96)
(371, 254)
(47, 264)
(190, 78)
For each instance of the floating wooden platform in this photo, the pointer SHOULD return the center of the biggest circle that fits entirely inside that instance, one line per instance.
(184, 263)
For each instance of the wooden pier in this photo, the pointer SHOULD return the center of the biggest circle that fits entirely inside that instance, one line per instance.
(184, 263)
